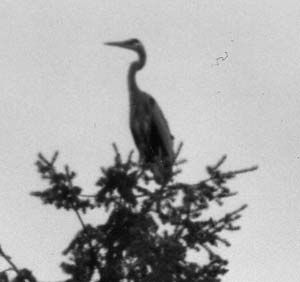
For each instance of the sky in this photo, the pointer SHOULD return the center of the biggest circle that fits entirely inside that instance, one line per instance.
(62, 89)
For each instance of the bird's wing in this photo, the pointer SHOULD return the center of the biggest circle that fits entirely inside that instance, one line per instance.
(160, 132)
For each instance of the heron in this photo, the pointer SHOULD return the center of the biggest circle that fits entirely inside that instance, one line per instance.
(148, 125)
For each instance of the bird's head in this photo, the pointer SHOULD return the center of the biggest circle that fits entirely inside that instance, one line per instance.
(131, 44)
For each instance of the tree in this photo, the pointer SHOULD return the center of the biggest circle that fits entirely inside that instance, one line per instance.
(151, 229)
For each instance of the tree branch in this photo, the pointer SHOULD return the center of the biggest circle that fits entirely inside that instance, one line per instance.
(9, 261)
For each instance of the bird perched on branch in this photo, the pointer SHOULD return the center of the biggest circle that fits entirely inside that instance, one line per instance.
(148, 125)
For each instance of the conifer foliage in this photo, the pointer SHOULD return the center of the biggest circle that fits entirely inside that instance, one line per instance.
(150, 230)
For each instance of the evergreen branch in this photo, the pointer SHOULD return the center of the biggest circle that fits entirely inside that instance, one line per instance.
(84, 227)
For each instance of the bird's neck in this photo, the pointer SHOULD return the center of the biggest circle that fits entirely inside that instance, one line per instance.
(134, 90)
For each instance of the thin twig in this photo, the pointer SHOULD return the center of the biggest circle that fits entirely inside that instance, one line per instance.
(235, 172)
(9, 261)
(220, 162)
(208, 250)
(118, 155)
(228, 174)
(71, 186)
(87, 196)
(180, 162)
(54, 158)
(223, 220)
(41, 157)
(8, 269)
(178, 150)
(84, 227)
(130, 156)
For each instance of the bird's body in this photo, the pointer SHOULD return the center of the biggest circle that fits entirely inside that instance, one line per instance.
(148, 125)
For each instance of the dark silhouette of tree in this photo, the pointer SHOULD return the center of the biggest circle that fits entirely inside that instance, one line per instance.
(151, 229)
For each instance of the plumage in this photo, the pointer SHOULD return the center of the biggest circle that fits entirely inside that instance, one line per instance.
(148, 125)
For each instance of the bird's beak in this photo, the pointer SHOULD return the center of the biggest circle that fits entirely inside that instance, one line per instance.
(116, 43)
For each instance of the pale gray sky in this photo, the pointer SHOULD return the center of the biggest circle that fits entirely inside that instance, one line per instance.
(61, 88)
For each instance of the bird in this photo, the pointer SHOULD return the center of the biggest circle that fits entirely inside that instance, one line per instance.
(148, 125)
